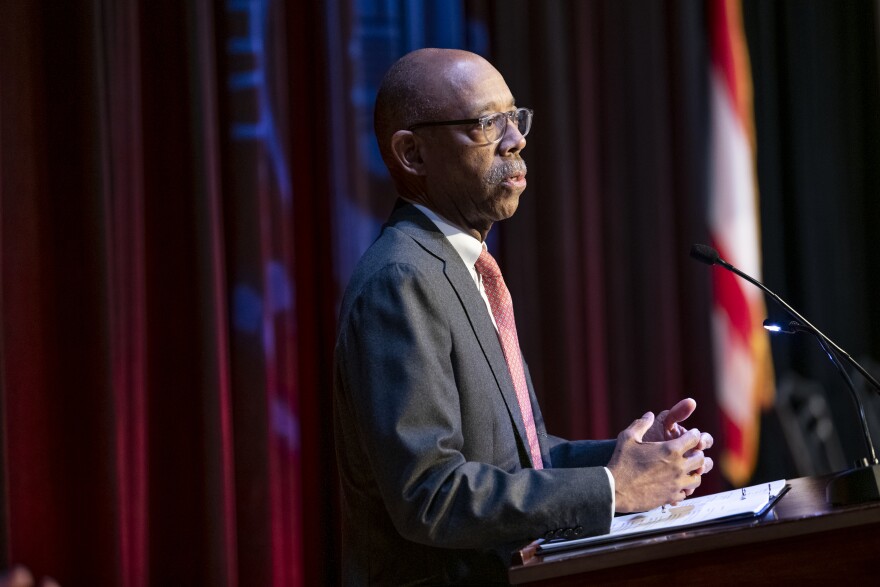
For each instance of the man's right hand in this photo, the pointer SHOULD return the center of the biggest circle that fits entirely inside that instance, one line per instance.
(650, 474)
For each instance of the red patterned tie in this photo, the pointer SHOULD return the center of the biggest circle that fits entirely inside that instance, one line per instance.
(502, 310)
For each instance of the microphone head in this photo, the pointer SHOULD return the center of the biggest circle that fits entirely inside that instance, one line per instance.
(705, 254)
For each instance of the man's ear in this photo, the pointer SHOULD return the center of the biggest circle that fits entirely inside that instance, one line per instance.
(406, 148)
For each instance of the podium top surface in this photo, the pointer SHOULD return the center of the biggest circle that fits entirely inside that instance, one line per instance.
(802, 511)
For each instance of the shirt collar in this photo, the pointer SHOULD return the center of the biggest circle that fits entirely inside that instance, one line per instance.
(467, 247)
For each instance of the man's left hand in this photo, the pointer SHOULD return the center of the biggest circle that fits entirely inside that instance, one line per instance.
(666, 427)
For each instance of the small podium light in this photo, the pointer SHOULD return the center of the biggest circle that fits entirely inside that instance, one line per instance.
(792, 327)
(772, 326)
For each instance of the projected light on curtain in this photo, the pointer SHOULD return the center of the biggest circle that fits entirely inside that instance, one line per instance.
(263, 290)
(380, 31)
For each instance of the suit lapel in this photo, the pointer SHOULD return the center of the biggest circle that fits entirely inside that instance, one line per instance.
(409, 220)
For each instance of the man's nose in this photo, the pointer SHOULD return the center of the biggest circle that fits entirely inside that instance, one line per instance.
(513, 141)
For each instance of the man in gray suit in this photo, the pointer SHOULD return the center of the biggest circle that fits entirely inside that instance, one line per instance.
(445, 463)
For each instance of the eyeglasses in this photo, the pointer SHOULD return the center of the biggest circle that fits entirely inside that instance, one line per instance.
(494, 125)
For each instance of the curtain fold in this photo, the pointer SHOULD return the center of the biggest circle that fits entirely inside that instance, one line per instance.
(122, 161)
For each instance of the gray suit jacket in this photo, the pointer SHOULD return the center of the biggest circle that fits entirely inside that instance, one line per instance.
(437, 484)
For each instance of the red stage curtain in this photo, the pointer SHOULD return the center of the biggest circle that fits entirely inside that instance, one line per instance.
(162, 239)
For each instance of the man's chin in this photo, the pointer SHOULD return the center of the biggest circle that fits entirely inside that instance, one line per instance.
(507, 204)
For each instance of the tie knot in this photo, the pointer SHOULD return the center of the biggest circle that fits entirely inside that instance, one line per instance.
(486, 265)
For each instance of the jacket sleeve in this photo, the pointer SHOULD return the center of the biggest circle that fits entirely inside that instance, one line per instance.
(398, 394)
(580, 453)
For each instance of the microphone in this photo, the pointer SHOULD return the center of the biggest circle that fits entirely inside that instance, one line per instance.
(856, 485)
(705, 254)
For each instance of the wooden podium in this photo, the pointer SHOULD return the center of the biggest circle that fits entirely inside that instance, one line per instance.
(802, 538)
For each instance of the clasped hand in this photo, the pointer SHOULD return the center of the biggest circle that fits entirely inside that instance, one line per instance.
(657, 461)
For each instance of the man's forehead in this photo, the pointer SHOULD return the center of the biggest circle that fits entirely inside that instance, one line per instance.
(499, 105)
(477, 88)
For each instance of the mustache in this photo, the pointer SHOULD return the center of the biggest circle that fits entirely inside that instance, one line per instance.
(503, 170)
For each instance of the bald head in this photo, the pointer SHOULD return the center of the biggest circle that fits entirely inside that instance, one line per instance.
(425, 85)
(449, 164)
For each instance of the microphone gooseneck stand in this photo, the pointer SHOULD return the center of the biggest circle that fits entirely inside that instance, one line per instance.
(861, 483)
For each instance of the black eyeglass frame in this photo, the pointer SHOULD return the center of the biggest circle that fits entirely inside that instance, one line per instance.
(511, 117)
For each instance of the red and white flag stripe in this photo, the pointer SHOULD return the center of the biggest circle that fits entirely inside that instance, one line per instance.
(743, 365)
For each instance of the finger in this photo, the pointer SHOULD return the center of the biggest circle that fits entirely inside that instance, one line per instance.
(706, 441)
(695, 481)
(661, 418)
(695, 461)
(685, 493)
(639, 427)
(679, 412)
(670, 429)
(708, 464)
(687, 441)
(691, 452)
